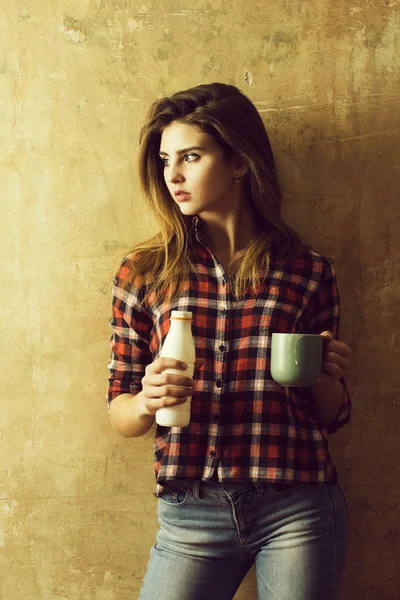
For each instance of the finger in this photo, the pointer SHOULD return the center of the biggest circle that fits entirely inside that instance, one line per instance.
(162, 363)
(154, 404)
(173, 391)
(337, 359)
(333, 369)
(157, 379)
(339, 348)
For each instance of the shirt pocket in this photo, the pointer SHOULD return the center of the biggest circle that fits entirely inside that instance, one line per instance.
(280, 312)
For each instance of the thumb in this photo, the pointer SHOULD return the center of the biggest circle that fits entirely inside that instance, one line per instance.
(328, 336)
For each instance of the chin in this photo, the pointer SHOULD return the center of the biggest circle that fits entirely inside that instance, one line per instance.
(188, 211)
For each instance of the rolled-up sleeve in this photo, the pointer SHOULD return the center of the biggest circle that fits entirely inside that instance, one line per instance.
(131, 326)
(324, 315)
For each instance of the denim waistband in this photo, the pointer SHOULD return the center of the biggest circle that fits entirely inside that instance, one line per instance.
(200, 488)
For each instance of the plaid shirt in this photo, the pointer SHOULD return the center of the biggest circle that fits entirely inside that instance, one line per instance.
(243, 425)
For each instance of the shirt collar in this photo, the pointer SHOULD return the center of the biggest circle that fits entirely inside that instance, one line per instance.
(196, 227)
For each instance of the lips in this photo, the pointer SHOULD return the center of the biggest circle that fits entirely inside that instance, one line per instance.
(181, 196)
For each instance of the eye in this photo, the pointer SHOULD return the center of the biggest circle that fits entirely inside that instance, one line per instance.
(164, 160)
(191, 157)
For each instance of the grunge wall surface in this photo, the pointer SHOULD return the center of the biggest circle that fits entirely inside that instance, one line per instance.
(77, 515)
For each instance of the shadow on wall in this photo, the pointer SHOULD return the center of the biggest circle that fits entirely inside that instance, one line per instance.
(342, 194)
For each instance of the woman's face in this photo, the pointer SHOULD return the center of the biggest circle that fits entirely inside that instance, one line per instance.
(198, 176)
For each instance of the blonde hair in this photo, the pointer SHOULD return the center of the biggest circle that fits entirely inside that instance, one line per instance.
(227, 114)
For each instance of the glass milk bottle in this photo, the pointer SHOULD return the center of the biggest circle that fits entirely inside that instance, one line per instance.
(178, 344)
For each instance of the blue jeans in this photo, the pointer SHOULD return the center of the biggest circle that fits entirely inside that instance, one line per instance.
(211, 534)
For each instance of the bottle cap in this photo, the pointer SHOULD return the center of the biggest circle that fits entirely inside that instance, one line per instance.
(181, 314)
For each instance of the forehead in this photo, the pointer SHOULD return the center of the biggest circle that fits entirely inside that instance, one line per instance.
(182, 135)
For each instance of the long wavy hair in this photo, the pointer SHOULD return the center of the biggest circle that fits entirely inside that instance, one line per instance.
(228, 115)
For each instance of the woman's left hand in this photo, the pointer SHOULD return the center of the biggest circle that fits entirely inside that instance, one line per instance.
(336, 357)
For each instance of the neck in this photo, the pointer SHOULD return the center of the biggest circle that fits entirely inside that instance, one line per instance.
(227, 235)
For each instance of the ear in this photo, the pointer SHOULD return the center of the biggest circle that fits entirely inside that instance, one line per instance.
(239, 167)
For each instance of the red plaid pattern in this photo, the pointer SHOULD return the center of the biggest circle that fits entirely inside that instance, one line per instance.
(244, 425)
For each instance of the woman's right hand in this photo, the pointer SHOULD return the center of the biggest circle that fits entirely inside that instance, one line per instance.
(160, 389)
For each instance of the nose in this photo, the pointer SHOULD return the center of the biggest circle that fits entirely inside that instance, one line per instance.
(174, 174)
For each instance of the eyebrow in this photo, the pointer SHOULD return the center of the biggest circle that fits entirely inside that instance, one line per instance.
(161, 153)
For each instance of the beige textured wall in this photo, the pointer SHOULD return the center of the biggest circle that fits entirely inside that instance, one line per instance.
(77, 515)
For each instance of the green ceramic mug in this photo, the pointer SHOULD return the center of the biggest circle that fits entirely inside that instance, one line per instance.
(296, 359)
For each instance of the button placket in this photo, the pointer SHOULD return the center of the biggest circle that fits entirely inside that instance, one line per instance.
(221, 342)
(220, 347)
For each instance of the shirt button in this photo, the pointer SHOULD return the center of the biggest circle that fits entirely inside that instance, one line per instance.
(219, 383)
(222, 348)
(216, 418)
(224, 311)
(213, 453)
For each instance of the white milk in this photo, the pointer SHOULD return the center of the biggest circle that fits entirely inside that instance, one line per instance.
(178, 344)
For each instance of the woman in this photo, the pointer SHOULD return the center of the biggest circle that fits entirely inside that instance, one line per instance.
(250, 480)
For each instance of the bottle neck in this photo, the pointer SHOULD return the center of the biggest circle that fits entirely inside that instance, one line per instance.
(179, 342)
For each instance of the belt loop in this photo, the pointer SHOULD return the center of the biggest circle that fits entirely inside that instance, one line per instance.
(196, 489)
